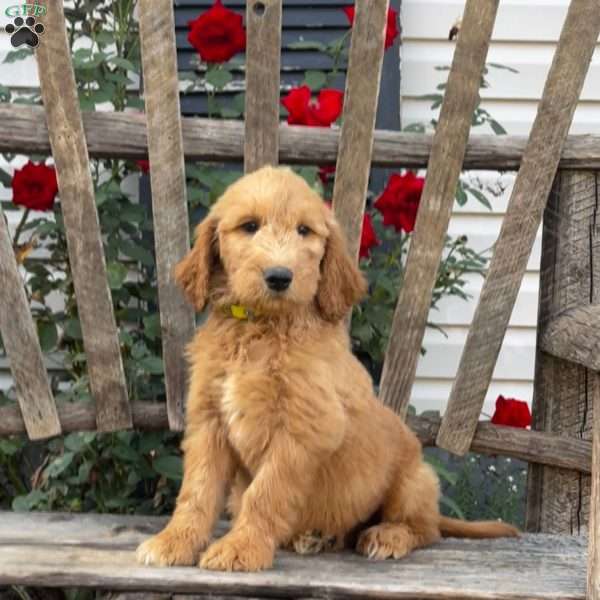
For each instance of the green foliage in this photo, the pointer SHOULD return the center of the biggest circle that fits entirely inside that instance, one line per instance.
(120, 472)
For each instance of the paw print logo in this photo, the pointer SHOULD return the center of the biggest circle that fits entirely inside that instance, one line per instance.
(24, 32)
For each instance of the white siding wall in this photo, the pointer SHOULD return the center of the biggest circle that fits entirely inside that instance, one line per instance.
(524, 38)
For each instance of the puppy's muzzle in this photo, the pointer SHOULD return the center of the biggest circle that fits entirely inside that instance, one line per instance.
(278, 279)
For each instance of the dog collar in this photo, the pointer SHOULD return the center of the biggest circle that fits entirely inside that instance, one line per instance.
(237, 311)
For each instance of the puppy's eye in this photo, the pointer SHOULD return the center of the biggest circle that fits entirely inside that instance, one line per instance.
(250, 226)
(303, 230)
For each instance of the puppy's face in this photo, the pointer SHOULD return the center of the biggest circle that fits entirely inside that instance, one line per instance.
(272, 235)
(271, 245)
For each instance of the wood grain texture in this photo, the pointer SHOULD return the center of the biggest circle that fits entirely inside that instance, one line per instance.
(169, 199)
(263, 57)
(558, 500)
(22, 347)
(593, 565)
(360, 107)
(82, 417)
(532, 446)
(517, 236)
(123, 135)
(443, 171)
(97, 551)
(86, 255)
(575, 336)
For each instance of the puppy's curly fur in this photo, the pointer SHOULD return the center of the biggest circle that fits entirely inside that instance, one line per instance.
(281, 417)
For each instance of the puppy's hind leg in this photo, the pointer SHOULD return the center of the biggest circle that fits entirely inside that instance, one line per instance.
(410, 517)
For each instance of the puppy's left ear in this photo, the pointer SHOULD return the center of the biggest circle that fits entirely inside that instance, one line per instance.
(193, 273)
(342, 284)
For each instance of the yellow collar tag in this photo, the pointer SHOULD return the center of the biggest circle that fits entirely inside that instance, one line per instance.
(241, 312)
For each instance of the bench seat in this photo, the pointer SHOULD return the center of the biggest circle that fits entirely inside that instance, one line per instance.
(97, 551)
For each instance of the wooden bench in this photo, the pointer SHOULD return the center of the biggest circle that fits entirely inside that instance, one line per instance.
(97, 550)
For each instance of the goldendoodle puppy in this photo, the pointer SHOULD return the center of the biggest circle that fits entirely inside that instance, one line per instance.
(281, 417)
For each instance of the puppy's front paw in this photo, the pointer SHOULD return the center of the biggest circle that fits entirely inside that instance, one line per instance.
(169, 548)
(238, 551)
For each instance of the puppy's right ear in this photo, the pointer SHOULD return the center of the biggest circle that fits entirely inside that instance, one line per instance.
(194, 271)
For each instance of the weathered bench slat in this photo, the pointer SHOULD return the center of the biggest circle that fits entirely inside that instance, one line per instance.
(120, 135)
(97, 551)
(169, 199)
(443, 171)
(23, 348)
(86, 255)
(263, 57)
(562, 90)
(360, 107)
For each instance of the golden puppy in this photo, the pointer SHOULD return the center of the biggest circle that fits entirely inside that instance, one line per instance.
(281, 416)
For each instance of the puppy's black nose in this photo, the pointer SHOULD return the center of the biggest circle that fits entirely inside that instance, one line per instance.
(278, 278)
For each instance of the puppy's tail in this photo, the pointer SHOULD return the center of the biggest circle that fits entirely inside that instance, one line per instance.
(476, 529)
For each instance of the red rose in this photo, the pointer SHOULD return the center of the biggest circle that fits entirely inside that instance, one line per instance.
(218, 34)
(143, 165)
(322, 112)
(512, 413)
(326, 174)
(35, 187)
(392, 24)
(399, 202)
(368, 238)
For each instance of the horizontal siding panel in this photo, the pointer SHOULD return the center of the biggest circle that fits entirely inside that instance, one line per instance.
(482, 232)
(515, 116)
(420, 75)
(454, 311)
(432, 394)
(516, 360)
(517, 20)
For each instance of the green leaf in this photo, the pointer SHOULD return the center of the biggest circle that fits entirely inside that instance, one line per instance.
(461, 196)
(123, 63)
(499, 66)
(151, 364)
(5, 94)
(139, 350)
(116, 273)
(29, 501)
(136, 251)
(315, 80)
(75, 442)
(58, 465)
(496, 127)
(451, 504)
(152, 326)
(47, 334)
(480, 196)
(15, 55)
(230, 113)
(5, 179)
(170, 466)
(9, 447)
(218, 77)
(307, 45)
(72, 328)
